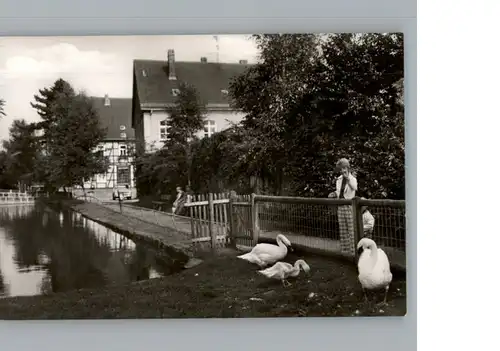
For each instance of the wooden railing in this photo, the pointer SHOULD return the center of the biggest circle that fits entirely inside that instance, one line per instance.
(310, 223)
(14, 197)
(209, 215)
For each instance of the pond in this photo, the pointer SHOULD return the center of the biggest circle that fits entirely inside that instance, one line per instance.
(45, 251)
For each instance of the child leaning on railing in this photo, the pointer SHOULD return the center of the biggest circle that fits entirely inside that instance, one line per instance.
(368, 221)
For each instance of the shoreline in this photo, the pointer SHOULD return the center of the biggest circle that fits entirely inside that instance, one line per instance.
(174, 243)
(222, 287)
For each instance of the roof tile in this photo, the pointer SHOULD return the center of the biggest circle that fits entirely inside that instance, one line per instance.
(112, 117)
(154, 87)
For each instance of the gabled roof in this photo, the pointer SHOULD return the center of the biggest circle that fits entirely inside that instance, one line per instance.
(117, 114)
(155, 89)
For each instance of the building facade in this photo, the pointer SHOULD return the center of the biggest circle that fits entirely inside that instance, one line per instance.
(155, 88)
(119, 144)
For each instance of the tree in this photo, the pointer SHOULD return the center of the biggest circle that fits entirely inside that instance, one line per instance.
(268, 93)
(314, 99)
(2, 105)
(219, 162)
(44, 102)
(186, 119)
(72, 139)
(70, 134)
(20, 153)
(6, 182)
(186, 116)
(365, 123)
(45, 106)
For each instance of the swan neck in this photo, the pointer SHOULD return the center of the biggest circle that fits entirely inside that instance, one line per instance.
(280, 242)
(299, 265)
(374, 255)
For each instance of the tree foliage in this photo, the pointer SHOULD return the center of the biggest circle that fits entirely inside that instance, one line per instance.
(353, 112)
(217, 163)
(5, 182)
(2, 107)
(186, 116)
(70, 134)
(19, 155)
(267, 94)
(46, 101)
(311, 100)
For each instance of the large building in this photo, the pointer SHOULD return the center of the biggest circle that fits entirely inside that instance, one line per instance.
(118, 145)
(156, 85)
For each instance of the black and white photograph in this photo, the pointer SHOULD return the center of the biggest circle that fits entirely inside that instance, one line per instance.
(202, 176)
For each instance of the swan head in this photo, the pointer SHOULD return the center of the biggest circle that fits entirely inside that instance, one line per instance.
(366, 244)
(302, 264)
(285, 241)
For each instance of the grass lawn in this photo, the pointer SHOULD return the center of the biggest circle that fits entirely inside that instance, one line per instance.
(222, 286)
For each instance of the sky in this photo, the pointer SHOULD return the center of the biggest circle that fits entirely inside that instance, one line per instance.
(98, 65)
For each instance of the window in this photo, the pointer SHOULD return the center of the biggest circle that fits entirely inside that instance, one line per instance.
(123, 135)
(123, 150)
(175, 92)
(122, 127)
(210, 128)
(164, 130)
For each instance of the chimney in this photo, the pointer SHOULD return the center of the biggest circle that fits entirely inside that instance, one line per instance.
(203, 60)
(171, 65)
(107, 101)
(243, 62)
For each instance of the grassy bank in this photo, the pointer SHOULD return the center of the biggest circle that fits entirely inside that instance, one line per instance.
(222, 286)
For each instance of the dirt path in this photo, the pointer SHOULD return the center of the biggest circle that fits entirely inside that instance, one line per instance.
(159, 218)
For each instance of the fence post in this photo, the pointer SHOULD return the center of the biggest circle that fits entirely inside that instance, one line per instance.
(120, 201)
(255, 213)
(211, 220)
(191, 219)
(232, 234)
(357, 218)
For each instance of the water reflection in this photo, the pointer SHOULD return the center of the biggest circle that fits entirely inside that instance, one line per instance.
(44, 251)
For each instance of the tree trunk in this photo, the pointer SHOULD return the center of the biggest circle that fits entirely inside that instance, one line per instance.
(189, 164)
(84, 192)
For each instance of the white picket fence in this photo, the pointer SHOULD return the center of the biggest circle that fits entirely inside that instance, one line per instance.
(209, 215)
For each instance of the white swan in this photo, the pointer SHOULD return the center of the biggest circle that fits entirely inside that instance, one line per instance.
(283, 270)
(374, 268)
(266, 254)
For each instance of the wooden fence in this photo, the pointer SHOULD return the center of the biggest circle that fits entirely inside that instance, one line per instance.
(16, 197)
(309, 223)
(209, 214)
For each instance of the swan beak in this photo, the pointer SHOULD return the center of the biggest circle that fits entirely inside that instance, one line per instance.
(360, 250)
